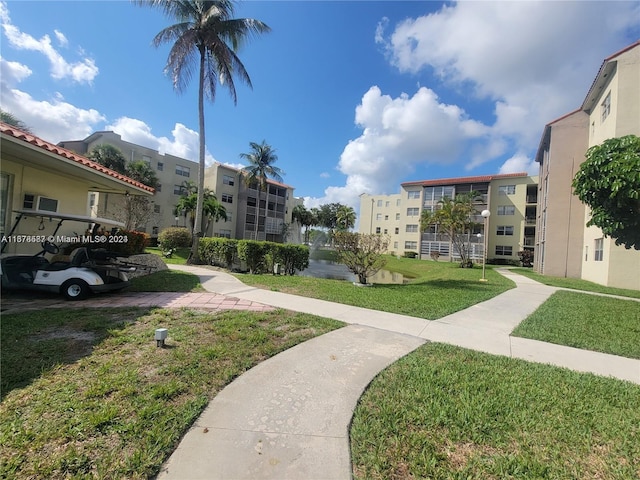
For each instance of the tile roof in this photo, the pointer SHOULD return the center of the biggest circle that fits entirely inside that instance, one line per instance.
(69, 155)
(459, 180)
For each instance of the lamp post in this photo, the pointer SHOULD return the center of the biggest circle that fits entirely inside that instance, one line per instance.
(485, 214)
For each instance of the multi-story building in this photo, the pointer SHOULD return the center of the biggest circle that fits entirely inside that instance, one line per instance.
(239, 201)
(510, 199)
(566, 246)
(245, 203)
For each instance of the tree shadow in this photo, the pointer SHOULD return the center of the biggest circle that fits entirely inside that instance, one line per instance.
(34, 342)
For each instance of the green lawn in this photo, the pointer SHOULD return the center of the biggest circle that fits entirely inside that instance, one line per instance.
(86, 393)
(591, 322)
(448, 413)
(179, 256)
(166, 281)
(435, 289)
(576, 284)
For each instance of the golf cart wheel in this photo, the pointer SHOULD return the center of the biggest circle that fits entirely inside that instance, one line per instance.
(75, 289)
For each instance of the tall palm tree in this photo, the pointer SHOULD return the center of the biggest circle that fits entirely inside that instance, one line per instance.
(206, 31)
(345, 218)
(260, 169)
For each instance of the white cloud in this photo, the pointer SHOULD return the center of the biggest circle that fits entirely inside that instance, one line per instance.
(62, 39)
(83, 71)
(54, 120)
(520, 163)
(535, 60)
(325, 175)
(398, 134)
(184, 142)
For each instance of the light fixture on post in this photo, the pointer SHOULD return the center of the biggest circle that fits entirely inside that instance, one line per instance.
(485, 215)
(177, 219)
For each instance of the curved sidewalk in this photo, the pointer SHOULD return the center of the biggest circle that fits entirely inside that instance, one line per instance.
(288, 417)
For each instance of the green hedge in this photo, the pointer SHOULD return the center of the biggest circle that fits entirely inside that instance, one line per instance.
(259, 257)
(174, 237)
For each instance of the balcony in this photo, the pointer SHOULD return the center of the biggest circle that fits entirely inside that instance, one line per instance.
(532, 198)
(530, 220)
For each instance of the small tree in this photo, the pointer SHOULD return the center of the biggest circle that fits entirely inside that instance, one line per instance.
(454, 218)
(609, 183)
(361, 252)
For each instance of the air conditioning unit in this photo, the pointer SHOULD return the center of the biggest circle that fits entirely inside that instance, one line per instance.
(47, 204)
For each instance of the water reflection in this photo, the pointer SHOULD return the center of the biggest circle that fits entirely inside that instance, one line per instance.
(338, 271)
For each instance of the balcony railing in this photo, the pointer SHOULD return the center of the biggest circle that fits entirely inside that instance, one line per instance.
(532, 199)
(530, 220)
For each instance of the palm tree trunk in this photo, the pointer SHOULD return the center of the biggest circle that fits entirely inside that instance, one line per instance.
(194, 257)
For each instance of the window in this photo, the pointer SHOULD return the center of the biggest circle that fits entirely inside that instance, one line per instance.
(413, 194)
(506, 190)
(506, 210)
(378, 216)
(160, 166)
(413, 212)
(397, 216)
(397, 202)
(505, 230)
(229, 216)
(377, 229)
(385, 231)
(412, 229)
(410, 245)
(397, 230)
(177, 190)
(183, 171)
(395, 245)
(228, 180)
(379, 203)
(156, 209)
(386, 204)
(158, 188)
(605, 106)
(4, 199)
(598, 250)
(146, 159)
(225, 233)
(155, 230)
(504, 250)
(28, 201)
(226, 198)
(386, 217)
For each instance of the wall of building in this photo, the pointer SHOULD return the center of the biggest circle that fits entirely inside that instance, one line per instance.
(561, 223)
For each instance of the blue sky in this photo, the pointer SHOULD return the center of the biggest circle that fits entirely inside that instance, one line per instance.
(354, 96)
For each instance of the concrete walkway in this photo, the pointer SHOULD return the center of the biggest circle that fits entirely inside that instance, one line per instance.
(288, 418)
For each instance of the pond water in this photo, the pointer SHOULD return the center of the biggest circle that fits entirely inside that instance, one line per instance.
(339, 271)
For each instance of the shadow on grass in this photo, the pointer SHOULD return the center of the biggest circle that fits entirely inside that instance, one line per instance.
(34, 342)
(166, 281)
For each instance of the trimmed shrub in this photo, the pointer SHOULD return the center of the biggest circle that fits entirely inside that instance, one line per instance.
(410, 254)
(289, 256)
(218, 251)
(174, 237)
(253, 253)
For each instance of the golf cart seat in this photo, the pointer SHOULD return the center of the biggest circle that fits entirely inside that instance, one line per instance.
(77, 258)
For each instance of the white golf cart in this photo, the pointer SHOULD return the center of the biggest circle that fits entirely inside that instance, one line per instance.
(87, 269)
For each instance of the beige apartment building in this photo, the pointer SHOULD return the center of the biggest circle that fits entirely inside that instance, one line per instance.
(239, 201)
(510, 198)
(566, 247)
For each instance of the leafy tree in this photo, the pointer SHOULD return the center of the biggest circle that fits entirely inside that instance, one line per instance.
(361, 252)
(110, 157)
(608, 182)
(454, 218)
(212, 209)
(261, 167)
(205, 32)
(345, 217)
(11, 119)
(142, 172)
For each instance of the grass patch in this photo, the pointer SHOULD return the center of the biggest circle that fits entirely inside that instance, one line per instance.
(445, 412)
(591, 322)
(435, 290)
(86, 392)
(576, 284)
(167, 281)
(179, 256)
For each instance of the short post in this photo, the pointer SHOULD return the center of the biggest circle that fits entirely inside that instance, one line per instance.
(161, 336)
(485, 214)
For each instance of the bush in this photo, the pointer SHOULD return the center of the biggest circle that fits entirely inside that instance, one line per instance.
(135, 243)
(410, 254)
(290, 257)
(218, 251)
(435, 255)
(174, 237)
(526, 258)
(253, 254)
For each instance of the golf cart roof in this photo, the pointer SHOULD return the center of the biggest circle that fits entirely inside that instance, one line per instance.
(68, 216)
